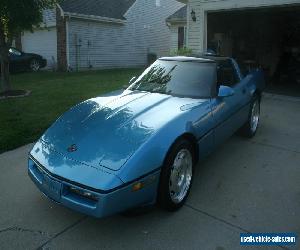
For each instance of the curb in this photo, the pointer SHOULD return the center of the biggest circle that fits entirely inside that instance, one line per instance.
(28, 92)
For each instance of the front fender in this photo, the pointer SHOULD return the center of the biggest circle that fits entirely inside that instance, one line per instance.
(151, 155)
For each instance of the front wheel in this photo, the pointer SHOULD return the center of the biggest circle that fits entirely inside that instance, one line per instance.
(250, 127)
(34, 65)
(176, 176)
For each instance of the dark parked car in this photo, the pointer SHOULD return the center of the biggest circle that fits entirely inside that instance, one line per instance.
(21, 61)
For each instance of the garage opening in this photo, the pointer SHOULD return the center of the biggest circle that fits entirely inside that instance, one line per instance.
(264, 37)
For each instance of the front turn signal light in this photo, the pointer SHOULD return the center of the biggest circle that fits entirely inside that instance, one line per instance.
(137, 186)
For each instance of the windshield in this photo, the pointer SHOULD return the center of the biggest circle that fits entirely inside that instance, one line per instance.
(15, 52)
(184, 79)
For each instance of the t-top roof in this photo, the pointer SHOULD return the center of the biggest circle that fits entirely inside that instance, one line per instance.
(195, 58)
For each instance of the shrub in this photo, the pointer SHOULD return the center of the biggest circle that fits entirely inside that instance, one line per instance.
(181, 52)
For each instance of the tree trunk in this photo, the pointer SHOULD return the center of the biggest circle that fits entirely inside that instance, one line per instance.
(5, 74)
(4, 47)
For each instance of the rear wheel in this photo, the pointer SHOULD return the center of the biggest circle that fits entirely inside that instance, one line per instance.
(176, 176)
(34, 65)
(250, 127)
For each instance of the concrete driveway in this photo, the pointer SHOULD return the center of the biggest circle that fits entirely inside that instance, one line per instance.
(245, 186)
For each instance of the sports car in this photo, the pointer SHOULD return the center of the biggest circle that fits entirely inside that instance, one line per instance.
(21, 61)
(138, 146)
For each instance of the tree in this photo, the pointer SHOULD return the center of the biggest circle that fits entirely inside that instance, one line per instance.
(17, 16)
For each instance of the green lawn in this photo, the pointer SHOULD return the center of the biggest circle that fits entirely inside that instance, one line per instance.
(23, 120)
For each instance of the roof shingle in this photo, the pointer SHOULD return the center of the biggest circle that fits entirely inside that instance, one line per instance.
(102, 8)
(179, 15)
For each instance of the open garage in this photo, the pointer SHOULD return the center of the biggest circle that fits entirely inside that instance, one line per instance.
(261, 37)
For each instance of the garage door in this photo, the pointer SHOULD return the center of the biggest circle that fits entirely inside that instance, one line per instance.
(42, 42)
(265, 37)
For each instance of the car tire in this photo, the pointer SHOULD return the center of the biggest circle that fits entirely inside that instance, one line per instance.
(250, 127)
(176, 175)
(34, 65)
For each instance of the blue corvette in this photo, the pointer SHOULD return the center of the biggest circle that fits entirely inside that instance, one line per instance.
(135, 147)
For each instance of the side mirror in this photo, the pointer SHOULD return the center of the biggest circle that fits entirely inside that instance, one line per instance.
(225, 91)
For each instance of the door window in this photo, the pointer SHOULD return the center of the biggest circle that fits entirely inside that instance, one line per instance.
(15, 52)
(181, 37)
(226, 74)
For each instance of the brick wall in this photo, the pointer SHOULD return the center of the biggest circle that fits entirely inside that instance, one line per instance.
(18, 42)
(61, 42)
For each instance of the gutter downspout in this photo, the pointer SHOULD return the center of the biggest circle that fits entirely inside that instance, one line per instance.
(187, 25)
(62, 14)
(61, 10)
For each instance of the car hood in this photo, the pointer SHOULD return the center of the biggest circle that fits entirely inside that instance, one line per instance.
(104, 132)
(45, 157)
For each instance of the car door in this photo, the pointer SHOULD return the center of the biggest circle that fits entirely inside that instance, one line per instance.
(203, 118)
(229, 113)
(203, 128)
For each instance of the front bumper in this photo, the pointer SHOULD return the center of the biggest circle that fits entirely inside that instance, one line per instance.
(97, 204)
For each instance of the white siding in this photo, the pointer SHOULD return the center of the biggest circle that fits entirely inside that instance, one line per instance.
(106, 45)
(42, 42)
(197, 30)
(49, 17)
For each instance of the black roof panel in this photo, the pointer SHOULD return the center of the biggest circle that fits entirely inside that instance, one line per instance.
(196, 58)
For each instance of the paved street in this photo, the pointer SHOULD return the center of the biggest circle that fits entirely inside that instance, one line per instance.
(245, 186)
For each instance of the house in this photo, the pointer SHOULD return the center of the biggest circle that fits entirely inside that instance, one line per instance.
(265, 32)
(43, 40)
(103, 33)
(178, 26)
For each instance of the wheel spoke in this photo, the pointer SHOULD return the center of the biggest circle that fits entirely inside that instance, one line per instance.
(180, 176)
(254, 116)
(34, 65)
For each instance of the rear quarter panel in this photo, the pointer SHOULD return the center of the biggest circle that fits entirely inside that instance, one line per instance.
(257, 80)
